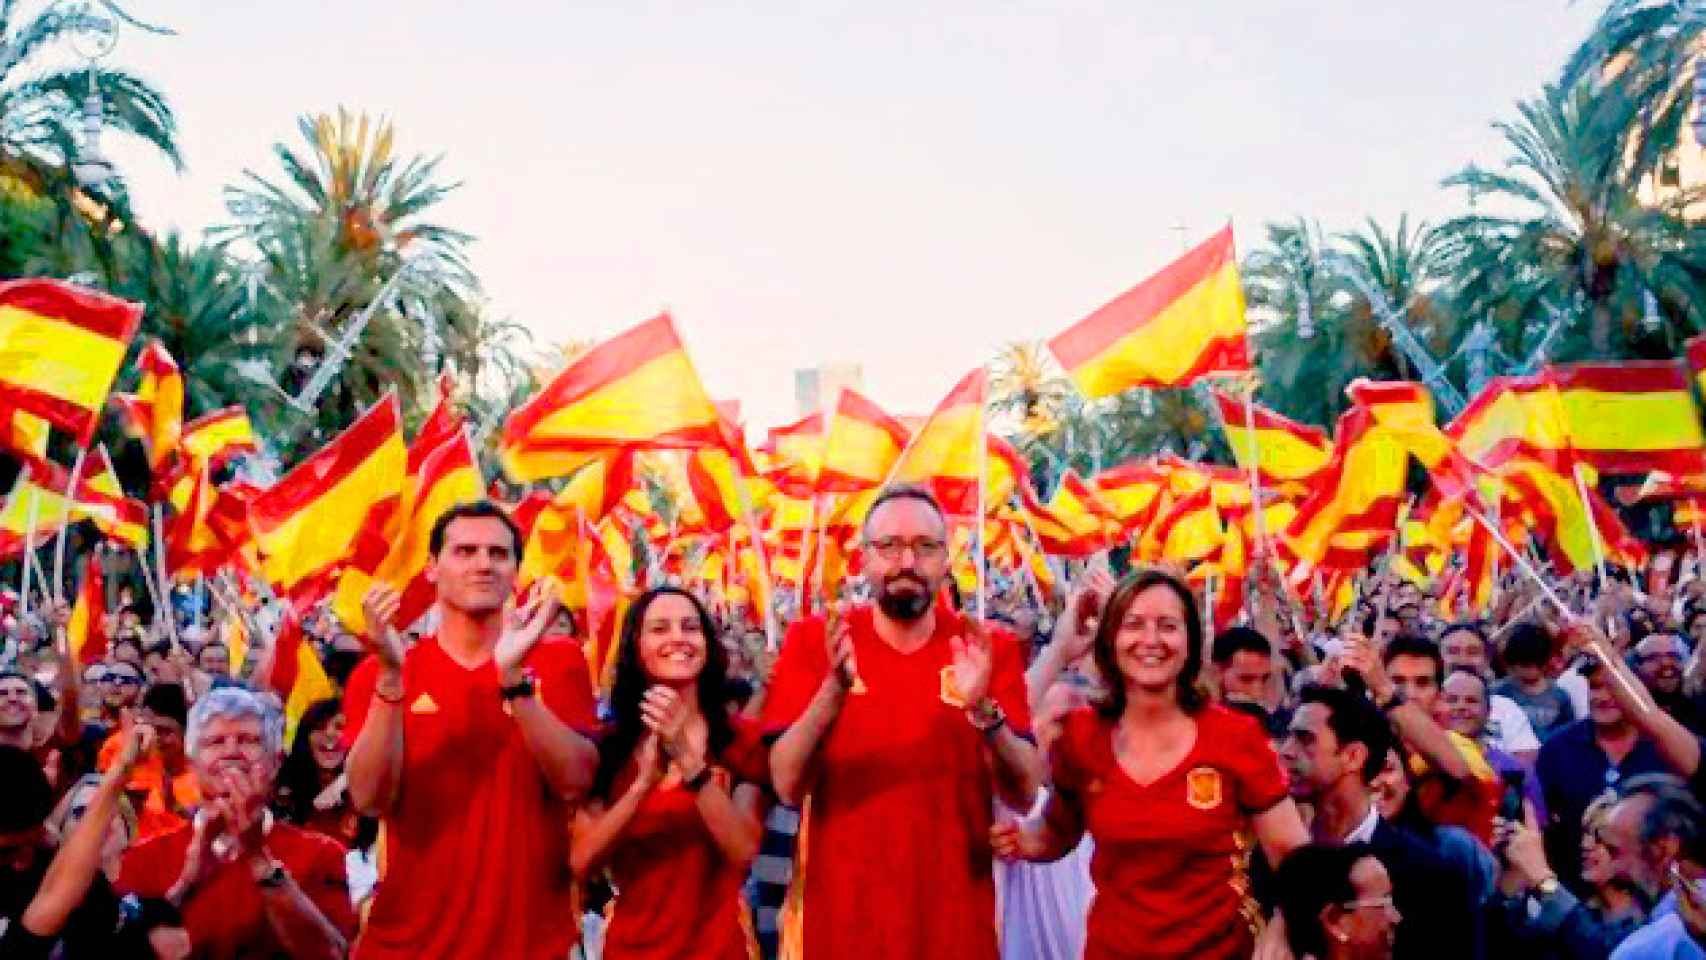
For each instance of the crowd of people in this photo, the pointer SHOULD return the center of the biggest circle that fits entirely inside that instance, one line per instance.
(1102, 775)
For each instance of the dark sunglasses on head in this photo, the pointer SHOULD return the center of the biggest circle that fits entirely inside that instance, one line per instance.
(125, 679)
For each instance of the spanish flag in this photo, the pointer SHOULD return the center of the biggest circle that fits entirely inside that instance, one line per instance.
(1511, 417)
(1285, 454)
(297, 674)
(1632, 417)
(60, 348)
(217, 437)
(103, 501)
(86, 630)
(1131, 491)
(331, 505)
(1406, 410)
(1360, 490)
(945, 452)
(27, 435)
(1182, 324)
(793, 453)
(445, 477)
(98, 498)
(443, 425)
(212, 529)
(636, 390)
(155, 412)
(860, 446)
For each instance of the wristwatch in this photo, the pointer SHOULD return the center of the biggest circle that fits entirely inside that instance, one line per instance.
(272, 877)
(1547, 887)
(986, 715)
(520, 688)
(697, 782)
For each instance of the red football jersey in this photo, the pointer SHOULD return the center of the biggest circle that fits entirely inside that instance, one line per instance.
(1171, 857)
(895, 857)
(677, 894)
(224, 916)
(476, 852)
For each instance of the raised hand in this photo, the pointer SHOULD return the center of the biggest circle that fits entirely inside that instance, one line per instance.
(838, 641)
(1012, 841)
(1083, 612)
(380, 606)
(524, 625)
(667, 715)
(138, 740)
(650, 763)
(973, 662)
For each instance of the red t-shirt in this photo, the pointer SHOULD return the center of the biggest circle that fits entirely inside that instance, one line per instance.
(895, 853)
(1171, 858)
(225, 916)
(677, 894)
(476, 851)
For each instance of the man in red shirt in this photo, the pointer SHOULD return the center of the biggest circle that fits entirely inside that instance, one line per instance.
(246, 885)
(466, 747)
(897, 726)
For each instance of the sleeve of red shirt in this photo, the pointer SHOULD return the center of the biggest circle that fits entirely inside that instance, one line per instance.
(796, 676)
(358, 696)
(1007, 681)
(566, 683)
(748, 757)
(1258, 779)
(1067, 761)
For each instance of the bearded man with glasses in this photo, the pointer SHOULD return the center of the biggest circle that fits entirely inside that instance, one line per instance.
(896, 724)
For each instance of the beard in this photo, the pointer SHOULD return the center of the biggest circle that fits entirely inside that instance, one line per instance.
(904, 605)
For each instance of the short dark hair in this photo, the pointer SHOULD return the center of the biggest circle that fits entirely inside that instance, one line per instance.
(1312, 878)
(471, 510)
(28, 797)
(1108, 630)
(1527, 646)
(1676, 814)
(1236, 640)
(1353, 719)
(167, 700)
(1410, 645)
(1486, 688)
(904, 491)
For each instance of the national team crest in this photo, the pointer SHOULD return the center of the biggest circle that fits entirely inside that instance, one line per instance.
(1202, 788)
(950, 691)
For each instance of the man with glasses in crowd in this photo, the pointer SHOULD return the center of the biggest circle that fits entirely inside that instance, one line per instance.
(897, 723)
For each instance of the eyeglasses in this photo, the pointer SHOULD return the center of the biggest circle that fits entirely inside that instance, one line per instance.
(125, 680)
(1377, 903)
(893, 548)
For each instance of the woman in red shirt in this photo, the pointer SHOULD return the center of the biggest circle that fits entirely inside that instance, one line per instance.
(1169, 787)
(675, 809)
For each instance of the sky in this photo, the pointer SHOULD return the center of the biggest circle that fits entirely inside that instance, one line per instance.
(906, 186)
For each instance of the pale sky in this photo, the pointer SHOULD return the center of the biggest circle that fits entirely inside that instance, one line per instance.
(903, 185)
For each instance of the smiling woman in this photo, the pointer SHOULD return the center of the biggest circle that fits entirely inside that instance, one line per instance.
(675, 813)
(1166, 785)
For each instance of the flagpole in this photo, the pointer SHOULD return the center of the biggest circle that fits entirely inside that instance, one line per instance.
(1569, 615)
(772, 637)
(163, 602)
(29, 550)
(1593, 525)
(982, 507)
(806, 539)
(65, 522)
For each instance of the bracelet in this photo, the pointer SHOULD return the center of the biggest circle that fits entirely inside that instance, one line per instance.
(986, 716)
(697, 782)
(517, 690)
(379, 693)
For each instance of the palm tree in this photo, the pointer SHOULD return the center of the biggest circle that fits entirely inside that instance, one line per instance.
(1625, 276)
(1309, 341)
(1026, 384)
(343, 228)
(1410, 267)
(43, 106)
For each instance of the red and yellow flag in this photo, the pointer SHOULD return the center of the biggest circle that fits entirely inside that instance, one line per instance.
(860, 446)
(946, 453)
(217, 437)
(1182, 324)
(1285, 453)
(1360, 490)
(1632, 417)
(86, 630)
(636, 390)
(211, 530)
(60, 348)
(155, 412)
(297, 674)
(331, 505)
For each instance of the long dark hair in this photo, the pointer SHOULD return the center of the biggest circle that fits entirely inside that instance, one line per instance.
(1112, 704)
(299, 777)
(631, 683)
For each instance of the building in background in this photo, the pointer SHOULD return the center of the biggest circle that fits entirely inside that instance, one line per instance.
(816, 388)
